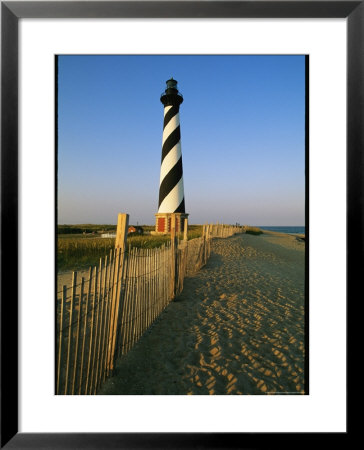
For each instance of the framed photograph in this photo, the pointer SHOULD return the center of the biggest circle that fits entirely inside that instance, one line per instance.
(56, 56)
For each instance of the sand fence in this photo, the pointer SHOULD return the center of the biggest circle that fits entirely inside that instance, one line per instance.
(100, 317)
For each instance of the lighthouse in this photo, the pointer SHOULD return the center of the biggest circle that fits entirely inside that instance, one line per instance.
(171, 192)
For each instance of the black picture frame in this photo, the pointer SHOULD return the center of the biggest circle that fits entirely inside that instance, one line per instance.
(11, 12)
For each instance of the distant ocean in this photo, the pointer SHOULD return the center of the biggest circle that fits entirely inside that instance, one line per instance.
(290, 230)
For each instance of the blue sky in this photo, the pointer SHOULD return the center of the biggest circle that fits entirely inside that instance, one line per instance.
(242, 137)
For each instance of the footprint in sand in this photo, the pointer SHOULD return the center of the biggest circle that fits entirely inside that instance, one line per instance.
(262, 386)
(280, 355)
(210, 383)
(215, 352)
(199, 341)
(197, 381)
(213, 340)
(231, 385)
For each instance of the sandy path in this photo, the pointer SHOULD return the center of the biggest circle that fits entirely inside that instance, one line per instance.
(65, 278)
(237, 328)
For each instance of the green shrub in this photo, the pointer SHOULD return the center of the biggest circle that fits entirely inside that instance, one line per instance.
(253, 230)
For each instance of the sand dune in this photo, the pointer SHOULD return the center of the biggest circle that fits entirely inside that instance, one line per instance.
(237, 328)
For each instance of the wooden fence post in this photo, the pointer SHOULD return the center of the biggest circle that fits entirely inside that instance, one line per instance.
(122, 231)
(185, 229)
(207, 242)
(120, 246)
(202, 262)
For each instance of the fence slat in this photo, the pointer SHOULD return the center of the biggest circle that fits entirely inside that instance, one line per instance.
(89, 365)
(128, 315)
(75, 364)
(122, 307)
(155, 296)
(98, 327)
(108, 312)
(126, 302)
(103, 320)
(70, 330)
(158, 276)
(96, 319)
(85, 330)
(142, 296)
(62, 308)
(139, 282)
(150, 299)
(133, 299)
(113, 310)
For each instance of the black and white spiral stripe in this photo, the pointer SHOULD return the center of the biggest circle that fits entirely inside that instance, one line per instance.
(171, 193)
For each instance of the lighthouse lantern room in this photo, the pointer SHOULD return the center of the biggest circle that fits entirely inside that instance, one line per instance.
(171, 192)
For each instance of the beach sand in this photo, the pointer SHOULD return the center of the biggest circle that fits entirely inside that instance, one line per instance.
(237, 327)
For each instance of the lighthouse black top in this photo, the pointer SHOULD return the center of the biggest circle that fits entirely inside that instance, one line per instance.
(171, 192)
(171, 96)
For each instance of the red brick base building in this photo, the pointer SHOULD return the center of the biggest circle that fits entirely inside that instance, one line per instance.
(163, 222)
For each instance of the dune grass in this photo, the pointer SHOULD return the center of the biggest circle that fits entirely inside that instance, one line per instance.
(77, 251)
(253, 230)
